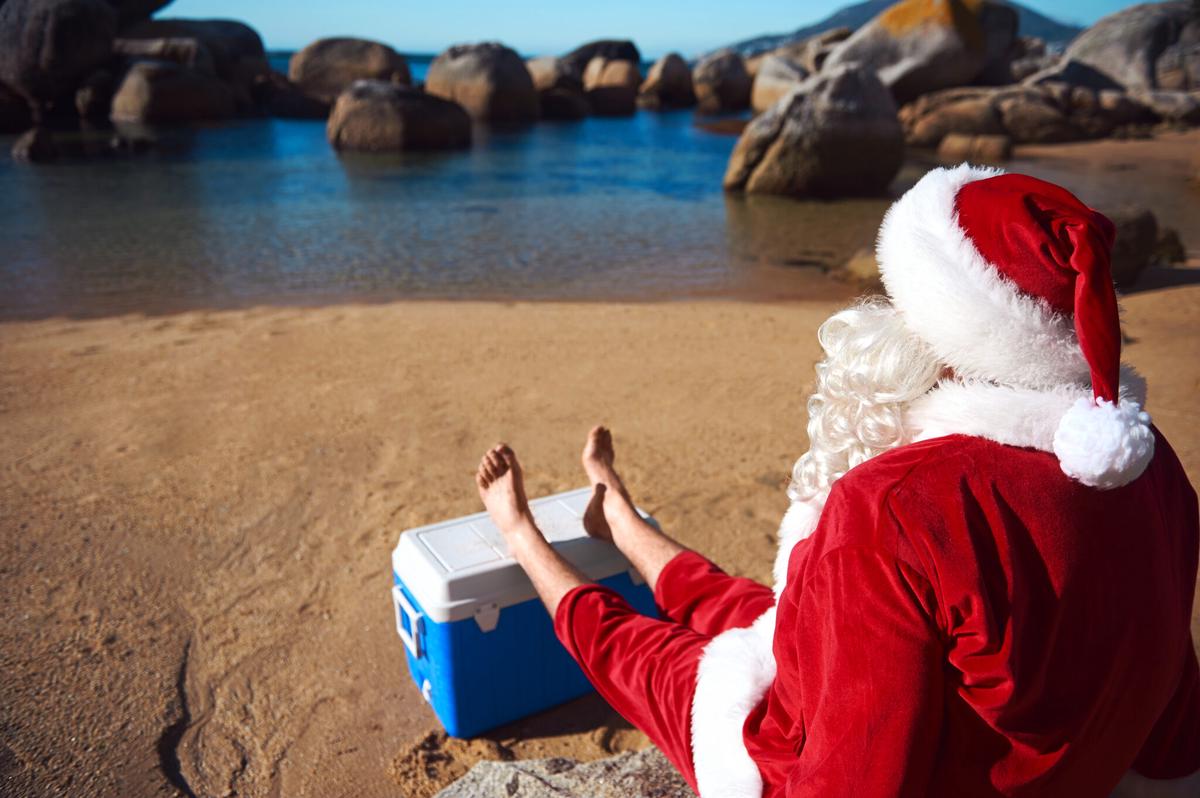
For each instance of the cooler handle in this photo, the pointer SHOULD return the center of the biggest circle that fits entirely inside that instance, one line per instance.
(412, 640)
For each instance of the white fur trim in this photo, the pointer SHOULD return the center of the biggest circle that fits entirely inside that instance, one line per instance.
(798, 523)
(735, 671)
(1102, 444)
(1102, 457)
(972, 316)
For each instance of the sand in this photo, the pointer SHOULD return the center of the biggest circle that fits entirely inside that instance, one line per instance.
(197, 511)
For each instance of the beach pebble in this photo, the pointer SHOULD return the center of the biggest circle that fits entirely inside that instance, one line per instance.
(327, 66)
(722, 83)
(834, 135)
(376, 116)
(489, 80)
(625, 775)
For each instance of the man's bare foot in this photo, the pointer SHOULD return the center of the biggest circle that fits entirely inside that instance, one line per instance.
(598, 457)
(594, 521)
(503, 492)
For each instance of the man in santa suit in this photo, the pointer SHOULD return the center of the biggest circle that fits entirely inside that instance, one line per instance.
(985, 579)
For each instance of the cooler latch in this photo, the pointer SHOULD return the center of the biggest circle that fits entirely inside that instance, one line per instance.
(405, 612)
(487, 617)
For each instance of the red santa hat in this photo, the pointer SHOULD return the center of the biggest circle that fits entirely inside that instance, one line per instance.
(1007, 278)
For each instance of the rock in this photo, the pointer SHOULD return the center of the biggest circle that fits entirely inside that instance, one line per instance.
(1130, 45)
(611, 86)
(956, 148)
(1137, 236)
(185, 51)
(920, 46)
(1029, 57)
(48, 46)
(811, 53)
(777, 75)
(489, 80)
(1121, 109)
(722, 83)
(35, 146)
(668, 84)
(327, 66)
(1032, 116)
(237, 49)
(836, 134)
(379, 116)
(1000, 43)
(131, 12)
(968, 111)
(93, 98)
(645, 773)
(560, 90)
(278, 96)
(1170, 106)
(563, 104)
(610, 49)
(165, 92)
(14, 111)
(1169, 247)
(1075, 73)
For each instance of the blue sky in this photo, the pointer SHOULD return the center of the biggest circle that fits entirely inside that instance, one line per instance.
(540, 26)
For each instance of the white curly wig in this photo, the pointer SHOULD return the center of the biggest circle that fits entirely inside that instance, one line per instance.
(873, 367)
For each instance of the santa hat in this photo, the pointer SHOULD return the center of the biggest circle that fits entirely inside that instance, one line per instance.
(1007, 279)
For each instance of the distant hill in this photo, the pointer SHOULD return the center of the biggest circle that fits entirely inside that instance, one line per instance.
(1031, 24)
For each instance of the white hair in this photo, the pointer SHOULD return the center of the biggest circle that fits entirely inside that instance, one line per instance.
(873, 367)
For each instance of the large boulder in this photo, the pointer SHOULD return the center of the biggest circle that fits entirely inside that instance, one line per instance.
(1076, 73)
(1135, 244)
(325, 67)
(379, 116)
(489, 80)
(48, 46)
(560, 90)
(668, 84)
(965, 111)
(777, 75)
(836, 134)
(131, 12)
(957, 147)
(920, 46)
(165, 92)
(1155, 45)
(1170, 106)
(610, 49)
(14, 111)
(278, 96)
(1001, 45)
(722, 83)
(612, 86)
(189, 52)
(811, 53)
(237, 49)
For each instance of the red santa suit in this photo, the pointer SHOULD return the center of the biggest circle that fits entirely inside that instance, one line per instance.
(1000, 607)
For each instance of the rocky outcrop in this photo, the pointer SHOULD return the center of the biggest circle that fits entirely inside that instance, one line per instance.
(811, 53)
(327, 66)
(668, 84)
(722, 83)
(836, 134)
(165, 92)
(379, 116)
(646, 773)
(1076, 73)
(957, 147)
(489, 80)
(1170, 106)
(48, 46)
(1150, 46)
(189, 52)
(777, 75)
(612, 86)
(609, 49)
(560, 90)
(920, 46)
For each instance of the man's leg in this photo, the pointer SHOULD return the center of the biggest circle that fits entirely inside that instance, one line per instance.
(645, 668)
(688, 588)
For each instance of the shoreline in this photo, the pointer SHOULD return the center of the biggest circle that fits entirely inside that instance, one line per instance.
(198, 512)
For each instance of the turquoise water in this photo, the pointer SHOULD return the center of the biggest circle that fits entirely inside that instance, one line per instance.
(263, 210)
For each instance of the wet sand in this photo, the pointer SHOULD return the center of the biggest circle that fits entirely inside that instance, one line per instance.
(197, 512)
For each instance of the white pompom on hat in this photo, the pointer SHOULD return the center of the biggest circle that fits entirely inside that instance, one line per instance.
(1007, 278)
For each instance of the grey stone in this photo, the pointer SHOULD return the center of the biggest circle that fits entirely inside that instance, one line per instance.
(646, 774)
(836, 134)
(1130, 44)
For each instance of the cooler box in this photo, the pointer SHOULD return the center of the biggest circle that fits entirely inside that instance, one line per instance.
(480, 645)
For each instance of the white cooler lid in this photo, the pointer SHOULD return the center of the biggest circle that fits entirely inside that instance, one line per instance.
(457, 567)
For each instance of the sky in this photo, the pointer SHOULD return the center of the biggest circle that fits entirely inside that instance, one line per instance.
(534, 27)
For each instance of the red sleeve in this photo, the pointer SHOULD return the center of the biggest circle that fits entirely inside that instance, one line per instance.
(695, 593)
(870, 660)
(1172, 750)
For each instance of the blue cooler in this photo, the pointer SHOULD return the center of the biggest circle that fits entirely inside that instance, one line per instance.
(480, 645)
